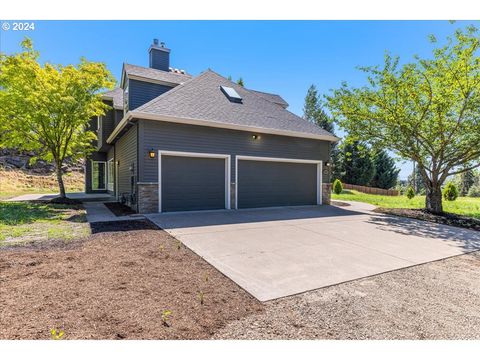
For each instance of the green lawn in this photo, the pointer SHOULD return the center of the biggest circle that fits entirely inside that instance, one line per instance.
(27, 222)
(462, 206)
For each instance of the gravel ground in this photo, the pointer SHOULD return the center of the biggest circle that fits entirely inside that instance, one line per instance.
(116, 285)
(438, 300)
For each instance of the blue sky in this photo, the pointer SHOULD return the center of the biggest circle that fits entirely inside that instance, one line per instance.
(283, 57)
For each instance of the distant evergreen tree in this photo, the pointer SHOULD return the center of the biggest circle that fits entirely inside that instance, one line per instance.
(313, 112)
(464, 181)
(229, 77)
(416, 182)
(337, 163)
(240, 82)
(358, 168)
(386, 173)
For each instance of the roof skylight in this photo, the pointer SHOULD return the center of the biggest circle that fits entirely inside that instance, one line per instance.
(231, 94)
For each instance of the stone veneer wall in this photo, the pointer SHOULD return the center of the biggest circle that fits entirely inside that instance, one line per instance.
(147, 198)
(326, 193)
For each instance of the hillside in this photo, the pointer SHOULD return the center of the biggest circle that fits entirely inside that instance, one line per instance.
(18, 177)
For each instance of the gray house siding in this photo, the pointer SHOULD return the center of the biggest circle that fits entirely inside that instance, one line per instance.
(126, 155)
(97, 156)
(160, 135)
(118, 117)
(159, 59)
(141, 92)
(106, 128)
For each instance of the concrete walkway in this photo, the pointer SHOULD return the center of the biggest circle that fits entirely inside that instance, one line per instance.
(273, 253)
(98, 212)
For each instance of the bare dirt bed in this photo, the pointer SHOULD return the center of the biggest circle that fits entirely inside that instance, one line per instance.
(438, 300)
(116, 285)
(119, 209)
(445, 218)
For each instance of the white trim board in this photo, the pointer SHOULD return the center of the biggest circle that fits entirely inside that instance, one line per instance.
(199, 155)
(287, 160)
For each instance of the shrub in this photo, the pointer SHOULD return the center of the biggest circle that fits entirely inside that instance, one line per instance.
(410, 193)
(337, 187)
(474, 191)
(450, 192)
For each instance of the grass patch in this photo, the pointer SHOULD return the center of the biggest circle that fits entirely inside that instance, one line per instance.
(462, 206)
(27, 222)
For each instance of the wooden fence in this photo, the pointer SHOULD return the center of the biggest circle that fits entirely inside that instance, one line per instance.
(371, 190)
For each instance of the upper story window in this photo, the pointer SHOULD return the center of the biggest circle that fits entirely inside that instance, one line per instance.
(125, 98)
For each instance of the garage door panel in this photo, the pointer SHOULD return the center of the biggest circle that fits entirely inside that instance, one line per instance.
(192, 183)
(270, 183)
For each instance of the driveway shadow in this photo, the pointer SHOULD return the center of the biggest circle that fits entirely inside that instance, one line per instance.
(229, 217)
(470, 239)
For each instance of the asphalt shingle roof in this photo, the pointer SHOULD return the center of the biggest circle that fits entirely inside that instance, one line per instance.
(277, 99)
(117, 96)
(201, 98)
(154, 74)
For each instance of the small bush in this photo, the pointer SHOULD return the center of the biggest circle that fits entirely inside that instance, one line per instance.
(450, 193)
(474, 191)
(410, 193)
(337, 187)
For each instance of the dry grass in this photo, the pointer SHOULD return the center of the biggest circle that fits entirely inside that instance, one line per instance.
(18, 182)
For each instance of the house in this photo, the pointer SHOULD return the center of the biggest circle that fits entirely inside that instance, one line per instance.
(176, 142)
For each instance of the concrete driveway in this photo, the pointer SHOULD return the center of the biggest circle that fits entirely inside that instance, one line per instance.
(273, 253)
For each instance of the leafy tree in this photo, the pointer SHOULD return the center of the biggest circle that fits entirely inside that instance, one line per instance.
(358, 168)
(313, 112)
(240, 82)
(337, 187)
(47, 108)
(426, 110)
(474, 191)
(410, 192)
(386, 173)
(450, 193)
(464, 181)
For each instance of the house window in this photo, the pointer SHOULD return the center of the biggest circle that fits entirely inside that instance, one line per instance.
(98, 175)
(110, 172)
(125, 99)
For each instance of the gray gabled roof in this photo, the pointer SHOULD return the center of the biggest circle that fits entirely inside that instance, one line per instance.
(277, 99)
(116, 95)
(201, 99)
(154, 74)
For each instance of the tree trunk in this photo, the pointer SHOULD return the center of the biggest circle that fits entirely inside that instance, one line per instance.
(433, 199)
(61, 186)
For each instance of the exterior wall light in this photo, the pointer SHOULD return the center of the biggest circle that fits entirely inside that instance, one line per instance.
(255, 137)
(151, 154)
(328, 164)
